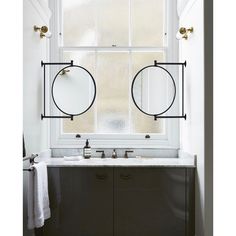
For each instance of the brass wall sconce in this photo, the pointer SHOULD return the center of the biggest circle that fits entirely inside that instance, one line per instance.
(43, 31)
(183, 33)
(63, 72)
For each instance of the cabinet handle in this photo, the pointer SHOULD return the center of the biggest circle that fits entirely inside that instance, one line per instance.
(101, 176)
(125, 177)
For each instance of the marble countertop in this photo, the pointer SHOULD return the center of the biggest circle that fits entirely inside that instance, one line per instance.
(121, 162)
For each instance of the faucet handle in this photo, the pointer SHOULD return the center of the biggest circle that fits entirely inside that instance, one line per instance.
(103, 153)
(126, 153)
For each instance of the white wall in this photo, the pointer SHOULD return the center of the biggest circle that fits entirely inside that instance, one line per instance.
(181, 5)
(35, 50)
(36, 132)
(195, 135)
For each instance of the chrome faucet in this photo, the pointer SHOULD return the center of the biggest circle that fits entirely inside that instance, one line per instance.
(114, 154)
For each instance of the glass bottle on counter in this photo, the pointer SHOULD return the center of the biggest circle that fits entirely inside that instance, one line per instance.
(87, 150)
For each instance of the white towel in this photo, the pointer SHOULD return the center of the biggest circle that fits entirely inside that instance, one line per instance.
(38, 200)
(72, 158)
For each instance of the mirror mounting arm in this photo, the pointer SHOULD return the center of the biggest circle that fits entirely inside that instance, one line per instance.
(58, 117)
(44, 64)
(161, 66)
(179, 117)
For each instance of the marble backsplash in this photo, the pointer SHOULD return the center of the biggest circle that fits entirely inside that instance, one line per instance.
(158, 153)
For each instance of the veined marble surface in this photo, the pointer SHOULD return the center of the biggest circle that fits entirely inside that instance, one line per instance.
(157, 153)
(121, 162)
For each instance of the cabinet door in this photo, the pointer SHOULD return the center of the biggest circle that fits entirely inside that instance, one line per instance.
(81, 201)
(150, 201)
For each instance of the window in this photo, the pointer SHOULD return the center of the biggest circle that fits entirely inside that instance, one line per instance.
(114, 40)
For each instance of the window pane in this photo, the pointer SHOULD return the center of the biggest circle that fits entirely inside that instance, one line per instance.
(113, 110)
(79, 21)
(113, 92)
(84, 123)
(96, 23)
(147, 22)
(113, 22)
(141, 123)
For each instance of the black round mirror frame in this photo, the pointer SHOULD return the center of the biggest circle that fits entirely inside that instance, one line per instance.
(132, 92)
(95, 90)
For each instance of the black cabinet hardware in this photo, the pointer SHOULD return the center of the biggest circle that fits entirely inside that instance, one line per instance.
(101, 176)
(125, 176)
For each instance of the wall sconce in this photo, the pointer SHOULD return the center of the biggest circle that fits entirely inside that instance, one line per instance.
(43, 31)
(63, 72)
(183, 33)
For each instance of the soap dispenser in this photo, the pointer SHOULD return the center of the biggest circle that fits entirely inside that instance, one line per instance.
(87, 150)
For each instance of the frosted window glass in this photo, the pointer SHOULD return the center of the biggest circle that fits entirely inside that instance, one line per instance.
(84, 123)
(79, 22)
(95, 23)
(81, 124)
(147, 22)
(103, 23)
(141, 123)
(113, 22)
(113, 92)
(113, 110)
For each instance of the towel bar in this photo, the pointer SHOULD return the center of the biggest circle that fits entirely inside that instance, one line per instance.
(29, 169)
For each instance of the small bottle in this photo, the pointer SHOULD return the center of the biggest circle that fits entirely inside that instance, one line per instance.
(87, 150)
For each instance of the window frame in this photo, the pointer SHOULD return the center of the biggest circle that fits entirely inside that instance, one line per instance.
(169, 140)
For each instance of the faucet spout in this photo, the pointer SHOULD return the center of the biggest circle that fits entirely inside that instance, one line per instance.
(114, 154)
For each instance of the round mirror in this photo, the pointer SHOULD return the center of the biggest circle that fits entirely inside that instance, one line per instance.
(153, 90)
(73, 90)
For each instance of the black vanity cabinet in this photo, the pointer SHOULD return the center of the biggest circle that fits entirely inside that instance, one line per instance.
(153, 202)
(115, 201)
(81, 202)
(87, 201)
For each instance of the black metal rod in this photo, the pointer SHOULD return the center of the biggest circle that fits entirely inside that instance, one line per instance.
(44, 88)
(182, 90)
(30, 169)
(30, 157)
(169, 63)
(67, 117)
(57, 63)
(158, 117)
